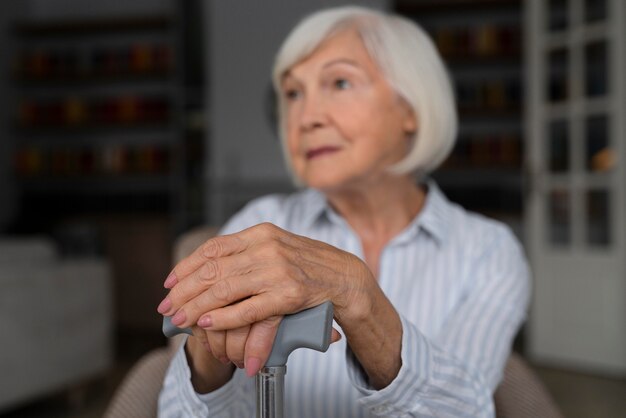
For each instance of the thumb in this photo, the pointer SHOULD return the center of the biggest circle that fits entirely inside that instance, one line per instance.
(259, 343)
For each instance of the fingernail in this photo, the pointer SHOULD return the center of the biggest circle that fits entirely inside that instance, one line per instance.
(205, 322)
(206, 346)
(164, 306)
(239, 365)
(253, 365)
(224, 360)
(179, 318)
(170, 281)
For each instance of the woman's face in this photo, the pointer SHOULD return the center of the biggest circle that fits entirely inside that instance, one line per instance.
(345, 124)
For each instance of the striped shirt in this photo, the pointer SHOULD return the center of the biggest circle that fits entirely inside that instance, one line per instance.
(459, 282)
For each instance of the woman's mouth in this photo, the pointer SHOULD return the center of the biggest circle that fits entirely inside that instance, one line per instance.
(320, 151)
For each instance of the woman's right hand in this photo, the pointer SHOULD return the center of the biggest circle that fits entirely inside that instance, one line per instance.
(207, 372)
(211, 354)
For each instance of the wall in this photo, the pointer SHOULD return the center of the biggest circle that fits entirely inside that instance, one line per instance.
(244, 153)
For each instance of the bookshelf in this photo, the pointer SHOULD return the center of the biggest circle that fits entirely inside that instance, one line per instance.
(480, 41)
(98, 118)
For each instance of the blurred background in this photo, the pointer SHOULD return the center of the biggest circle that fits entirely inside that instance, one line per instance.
(128, 123)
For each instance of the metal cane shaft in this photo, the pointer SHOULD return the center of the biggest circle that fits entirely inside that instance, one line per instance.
(270, 386)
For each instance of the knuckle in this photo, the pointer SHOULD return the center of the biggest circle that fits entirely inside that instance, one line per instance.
(212, 248)
(294, 291)
(235, 345)
(198, 333)
(250, 313)
(194, 308)
(216, 340)
(176, 294)
(270, 324)
(267, 228)
(210, 270)
(292, 297)
(262, 336)
(222, 291)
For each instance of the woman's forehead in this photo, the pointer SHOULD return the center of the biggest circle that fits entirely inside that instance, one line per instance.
(345, 47)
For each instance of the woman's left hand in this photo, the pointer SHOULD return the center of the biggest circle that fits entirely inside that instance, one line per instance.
(263, 272)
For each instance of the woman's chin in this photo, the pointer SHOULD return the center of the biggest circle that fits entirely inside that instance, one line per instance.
(330, 183)
(324, 182)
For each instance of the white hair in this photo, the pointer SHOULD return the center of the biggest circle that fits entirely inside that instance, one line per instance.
(408, 60)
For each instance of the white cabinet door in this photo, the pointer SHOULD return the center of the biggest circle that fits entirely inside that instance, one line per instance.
(576, 190)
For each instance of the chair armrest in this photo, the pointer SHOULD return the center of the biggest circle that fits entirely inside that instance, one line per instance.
(521, 394)
(137, 396)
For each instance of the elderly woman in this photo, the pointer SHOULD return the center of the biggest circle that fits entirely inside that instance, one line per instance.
(427, 295)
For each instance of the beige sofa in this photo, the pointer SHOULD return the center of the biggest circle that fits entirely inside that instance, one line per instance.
(520, 395)
(55, 320)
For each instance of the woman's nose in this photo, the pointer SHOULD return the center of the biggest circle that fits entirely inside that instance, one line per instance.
(313, 114)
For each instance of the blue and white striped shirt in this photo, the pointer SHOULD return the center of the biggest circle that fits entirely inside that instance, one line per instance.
(461, 285)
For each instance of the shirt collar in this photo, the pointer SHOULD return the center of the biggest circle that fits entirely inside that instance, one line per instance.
(432, 218)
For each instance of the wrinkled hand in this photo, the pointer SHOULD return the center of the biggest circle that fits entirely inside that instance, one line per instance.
(237, 288)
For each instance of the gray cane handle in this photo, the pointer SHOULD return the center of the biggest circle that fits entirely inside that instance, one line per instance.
(310, 328)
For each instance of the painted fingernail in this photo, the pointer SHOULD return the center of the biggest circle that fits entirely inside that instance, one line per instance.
(179, 318)
(164, 306)
(224, 360)
(253, 365)
(205, 322)
(170, 281)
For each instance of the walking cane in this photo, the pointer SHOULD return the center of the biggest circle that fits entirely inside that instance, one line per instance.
(310, 328)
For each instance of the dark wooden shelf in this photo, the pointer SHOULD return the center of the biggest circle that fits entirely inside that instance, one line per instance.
(444, 6)
(64, 81)
(98, 184)
(75, 27)
(87, 129)
(513, 58)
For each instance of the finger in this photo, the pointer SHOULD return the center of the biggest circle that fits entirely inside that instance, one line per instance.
(223, 293)
(259, 344)
(236, 344)
(221, 246)
(205, 276)
(335, 336)
(217, 344)
(200, 335)
(246, 312)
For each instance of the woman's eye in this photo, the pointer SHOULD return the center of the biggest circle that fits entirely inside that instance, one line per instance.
(292, 94)
(342, 84)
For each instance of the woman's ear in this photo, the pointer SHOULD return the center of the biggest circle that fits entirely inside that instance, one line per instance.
(410, 121)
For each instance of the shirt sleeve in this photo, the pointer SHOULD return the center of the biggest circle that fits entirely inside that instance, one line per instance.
(455, 373)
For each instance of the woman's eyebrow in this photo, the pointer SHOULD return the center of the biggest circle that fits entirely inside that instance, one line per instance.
(342, 61)
(288, 75)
